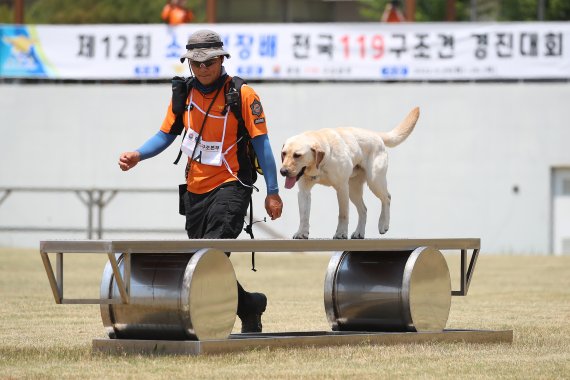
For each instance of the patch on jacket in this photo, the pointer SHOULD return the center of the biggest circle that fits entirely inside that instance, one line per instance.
(256, 108)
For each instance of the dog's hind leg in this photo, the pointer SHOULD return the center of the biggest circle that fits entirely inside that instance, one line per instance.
(376, 178)
(355, 187)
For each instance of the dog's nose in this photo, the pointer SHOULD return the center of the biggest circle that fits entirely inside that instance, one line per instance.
(284, 172)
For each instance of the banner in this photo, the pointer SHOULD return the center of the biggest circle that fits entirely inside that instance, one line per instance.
(289, 52)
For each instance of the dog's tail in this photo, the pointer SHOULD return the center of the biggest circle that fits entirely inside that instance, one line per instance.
(402, 131)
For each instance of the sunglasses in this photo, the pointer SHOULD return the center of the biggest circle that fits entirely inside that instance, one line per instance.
(207, 63)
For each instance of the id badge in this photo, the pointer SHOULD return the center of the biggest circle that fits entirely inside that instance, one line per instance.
(205, 152)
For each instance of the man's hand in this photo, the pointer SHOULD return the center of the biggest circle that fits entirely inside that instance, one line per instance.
(128, 160)
(273, 206)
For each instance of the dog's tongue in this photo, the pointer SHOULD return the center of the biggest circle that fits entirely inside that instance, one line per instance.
(290, 182)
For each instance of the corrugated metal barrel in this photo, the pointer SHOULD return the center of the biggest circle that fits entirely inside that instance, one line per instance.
(173, 297)
(388, 291)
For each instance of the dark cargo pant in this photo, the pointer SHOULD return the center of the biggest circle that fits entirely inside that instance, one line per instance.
(219, 214)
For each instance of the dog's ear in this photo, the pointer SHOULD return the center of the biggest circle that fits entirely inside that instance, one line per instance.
(319, 155)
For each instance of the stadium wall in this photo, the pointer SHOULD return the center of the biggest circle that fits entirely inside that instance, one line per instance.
(479, 163)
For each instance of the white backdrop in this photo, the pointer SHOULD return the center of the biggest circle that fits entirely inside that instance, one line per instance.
(453, 177)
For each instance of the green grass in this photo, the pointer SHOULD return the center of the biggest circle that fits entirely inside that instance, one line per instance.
(530, 295)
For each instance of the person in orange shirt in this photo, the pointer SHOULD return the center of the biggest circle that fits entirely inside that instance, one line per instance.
(219, 175)
(392, 12)
(175, 13)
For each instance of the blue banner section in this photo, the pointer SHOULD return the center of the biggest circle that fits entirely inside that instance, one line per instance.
(18, 54)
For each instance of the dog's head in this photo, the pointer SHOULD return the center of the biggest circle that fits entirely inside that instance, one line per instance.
(300, 155)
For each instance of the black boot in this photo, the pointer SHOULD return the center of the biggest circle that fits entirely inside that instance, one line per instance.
(250, 308)
(251, 316)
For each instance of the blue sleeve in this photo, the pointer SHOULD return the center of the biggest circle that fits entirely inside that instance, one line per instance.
(267, 162)
(156, 144)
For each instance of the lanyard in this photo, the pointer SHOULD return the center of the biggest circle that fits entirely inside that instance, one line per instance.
(203, 122)
(206, 115)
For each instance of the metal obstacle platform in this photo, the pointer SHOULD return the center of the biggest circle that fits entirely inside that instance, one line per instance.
(180, 296)
(243, 342)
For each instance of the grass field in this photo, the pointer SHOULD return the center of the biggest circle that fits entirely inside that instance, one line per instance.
(530, 295)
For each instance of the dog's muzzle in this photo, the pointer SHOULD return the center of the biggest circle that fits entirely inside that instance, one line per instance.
(289, 180)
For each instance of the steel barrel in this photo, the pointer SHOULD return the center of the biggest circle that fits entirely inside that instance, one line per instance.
(388, 290)
(173, 297)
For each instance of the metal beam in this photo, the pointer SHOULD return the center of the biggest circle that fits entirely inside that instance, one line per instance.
(129, 247)
(257, 245)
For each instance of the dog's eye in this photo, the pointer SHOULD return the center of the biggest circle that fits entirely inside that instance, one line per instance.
(296, 155)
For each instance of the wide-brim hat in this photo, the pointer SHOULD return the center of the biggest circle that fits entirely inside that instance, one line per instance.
(204, 45)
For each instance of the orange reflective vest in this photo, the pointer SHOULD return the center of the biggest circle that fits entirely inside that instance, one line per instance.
(221, 126)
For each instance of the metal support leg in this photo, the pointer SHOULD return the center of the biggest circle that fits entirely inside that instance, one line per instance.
(474, 257)
(4, 196)
(89, 203)
(118, 278)
(101, 203)
(127, 274)
(56, 280)
(466, 273)
(51, 278)
(59, 274)
(462, 266)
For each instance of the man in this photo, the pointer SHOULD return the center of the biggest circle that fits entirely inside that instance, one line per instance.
(218, 172)
(392, 12)
(175, 13)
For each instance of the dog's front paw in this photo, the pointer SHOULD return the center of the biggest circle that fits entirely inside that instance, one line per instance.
(301, 235)
(340, 235)
(383, 223)
(357, 235)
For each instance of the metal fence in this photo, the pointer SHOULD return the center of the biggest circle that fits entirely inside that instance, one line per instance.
(95, 200)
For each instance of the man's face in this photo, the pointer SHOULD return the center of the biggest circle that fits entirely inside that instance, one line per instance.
(207, 72)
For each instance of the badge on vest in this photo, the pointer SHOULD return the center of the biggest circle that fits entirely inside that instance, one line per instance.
(256, 108)
(205, 152)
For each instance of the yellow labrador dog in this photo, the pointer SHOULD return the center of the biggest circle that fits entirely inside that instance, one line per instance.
(343, 158)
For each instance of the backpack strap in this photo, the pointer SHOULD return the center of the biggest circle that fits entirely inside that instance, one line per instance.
(233, 99)
(181, 87)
